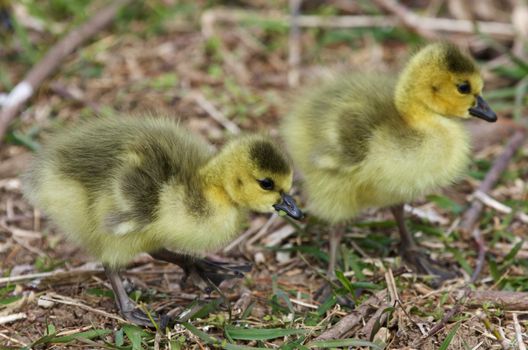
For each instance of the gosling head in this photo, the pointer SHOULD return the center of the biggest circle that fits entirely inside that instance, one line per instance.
(257, 175)
(446, 82)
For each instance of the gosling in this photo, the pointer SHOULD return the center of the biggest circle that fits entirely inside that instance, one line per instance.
(120, 187)
(370, 140)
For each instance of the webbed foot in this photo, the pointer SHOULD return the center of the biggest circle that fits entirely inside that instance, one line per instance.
(326, 290)
(213, 273)
(205, 273)
(140, 318)
(425, 265)
(410, 252)
(128, 309)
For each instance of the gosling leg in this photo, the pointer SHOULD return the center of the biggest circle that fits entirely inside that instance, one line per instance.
(127, 307)
(412, 254)
(325, 290)
(335, 240)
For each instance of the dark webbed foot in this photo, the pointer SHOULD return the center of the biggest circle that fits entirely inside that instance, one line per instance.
(216, 272)
(410, 252)
(133, 314)
(205, 273)
(128, 309)
(326, 290)
(423, 264)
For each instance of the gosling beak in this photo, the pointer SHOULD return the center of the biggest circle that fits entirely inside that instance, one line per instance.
(483, 111)
(288, 206)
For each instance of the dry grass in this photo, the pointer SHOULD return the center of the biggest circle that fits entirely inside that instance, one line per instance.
(156, 60)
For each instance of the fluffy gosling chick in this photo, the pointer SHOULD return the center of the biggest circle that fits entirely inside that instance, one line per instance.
(120, 187)
(369, 140)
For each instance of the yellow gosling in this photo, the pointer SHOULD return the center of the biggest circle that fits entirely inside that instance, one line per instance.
(370, 140)
(120, 187)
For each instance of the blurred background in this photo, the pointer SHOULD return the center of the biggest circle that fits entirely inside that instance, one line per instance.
(223, 68)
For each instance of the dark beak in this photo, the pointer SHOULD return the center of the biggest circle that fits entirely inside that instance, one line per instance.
(483, 111)
(289, 206)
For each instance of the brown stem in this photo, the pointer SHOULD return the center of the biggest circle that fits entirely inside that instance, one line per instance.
(481, 250)
(53, 59)
(506, 300)
(500, 164)
(354, 318)
(407, 18)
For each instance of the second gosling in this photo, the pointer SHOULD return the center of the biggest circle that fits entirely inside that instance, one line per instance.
(371, 140)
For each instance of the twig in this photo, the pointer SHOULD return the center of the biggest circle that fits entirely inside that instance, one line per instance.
(248, 233)
(499, 165)
(225, 15)
(18, 232)
(505, 344)
(278, 236)
(14, 340)
(215, 113)
(518, 332)
(380, 316)
(391, 286)
(56, 275)
(33, 276)
(522, 217)
(481, 250)
(243, 301)
(443, 322)
(303, 303)
(27, 246)
(69, 301)
(455, 310)
(506, 300)
(53, 59)
(12, 318)
(407, 17)
(354, 318)
(73, 331)
(491, 202)
(294, 44)
(429, 214)
(258, 230)
(263, 230)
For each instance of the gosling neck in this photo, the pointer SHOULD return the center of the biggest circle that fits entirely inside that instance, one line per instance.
(409, 100)
(413, 112)
(213, 175)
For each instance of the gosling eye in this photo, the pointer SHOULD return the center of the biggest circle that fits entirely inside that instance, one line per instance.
(464, 88)
(266, 184)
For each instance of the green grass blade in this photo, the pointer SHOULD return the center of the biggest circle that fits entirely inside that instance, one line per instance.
(261, 333)
(344, 281)
(200, 334)
(94, 333)
(135, 334)
(449, 338)
(513, 252)
(10, 299)
(323, 344)
(119, 337)
(240, 347)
